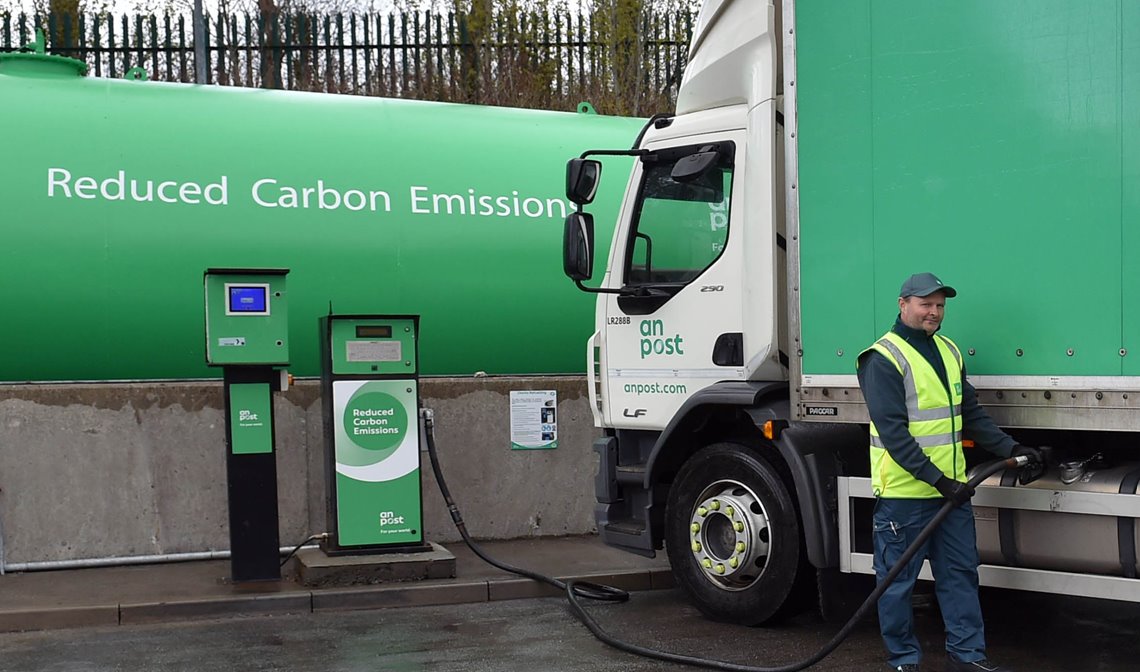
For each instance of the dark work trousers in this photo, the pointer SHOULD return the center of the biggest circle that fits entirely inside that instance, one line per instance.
(953, 554)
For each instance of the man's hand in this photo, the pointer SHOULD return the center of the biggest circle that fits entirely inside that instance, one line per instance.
(1038, 462)
(955, 491)
(1035, 456)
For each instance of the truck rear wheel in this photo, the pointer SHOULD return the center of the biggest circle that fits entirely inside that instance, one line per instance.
(732, 535)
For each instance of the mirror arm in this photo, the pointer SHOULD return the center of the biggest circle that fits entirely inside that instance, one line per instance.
(596, 290)
(613, 152)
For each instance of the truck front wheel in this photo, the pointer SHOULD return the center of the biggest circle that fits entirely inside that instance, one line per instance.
(732, 535)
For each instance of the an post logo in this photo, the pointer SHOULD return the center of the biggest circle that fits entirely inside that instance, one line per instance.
(247, 418)
(390, 518)
(655, 342)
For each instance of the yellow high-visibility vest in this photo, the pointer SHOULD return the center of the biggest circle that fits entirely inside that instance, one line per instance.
(934, 416)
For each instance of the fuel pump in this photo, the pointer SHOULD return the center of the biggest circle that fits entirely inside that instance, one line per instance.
(370, 392)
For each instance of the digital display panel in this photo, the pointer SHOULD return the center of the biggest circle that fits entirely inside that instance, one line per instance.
(374, 331)
(248, 299)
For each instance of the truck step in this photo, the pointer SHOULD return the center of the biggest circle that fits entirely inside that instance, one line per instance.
(633, 528)
(629, 535)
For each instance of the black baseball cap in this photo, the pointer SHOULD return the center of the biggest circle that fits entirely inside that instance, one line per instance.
(925, 284)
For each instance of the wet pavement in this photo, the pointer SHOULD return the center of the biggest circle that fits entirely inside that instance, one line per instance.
(188, 616)
(1028, 632)
(140, 594)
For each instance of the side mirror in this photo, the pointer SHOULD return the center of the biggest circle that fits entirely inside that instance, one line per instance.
(582, 176)
(578, 246)
(693, 166)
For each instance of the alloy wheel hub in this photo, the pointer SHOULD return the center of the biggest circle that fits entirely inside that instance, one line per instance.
(729, 535)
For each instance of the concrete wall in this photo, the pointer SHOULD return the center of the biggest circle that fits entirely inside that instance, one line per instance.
(104, 470)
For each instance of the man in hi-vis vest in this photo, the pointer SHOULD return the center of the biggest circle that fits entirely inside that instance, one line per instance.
(914, 383)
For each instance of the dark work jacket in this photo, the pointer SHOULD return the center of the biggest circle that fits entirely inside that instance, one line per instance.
(882, 386)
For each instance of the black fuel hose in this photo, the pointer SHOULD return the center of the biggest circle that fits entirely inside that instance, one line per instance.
(576, 589)
(592, 591)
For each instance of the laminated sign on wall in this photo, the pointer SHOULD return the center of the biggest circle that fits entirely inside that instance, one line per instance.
(534, 419)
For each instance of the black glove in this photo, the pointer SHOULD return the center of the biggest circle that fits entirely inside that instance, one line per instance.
(955, 491)
(1036, 458)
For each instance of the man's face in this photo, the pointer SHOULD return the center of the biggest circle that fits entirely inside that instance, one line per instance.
(923, 312)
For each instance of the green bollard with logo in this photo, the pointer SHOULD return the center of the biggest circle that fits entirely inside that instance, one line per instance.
(370, 392)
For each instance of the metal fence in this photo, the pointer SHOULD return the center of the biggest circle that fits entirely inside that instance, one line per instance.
(508, 58)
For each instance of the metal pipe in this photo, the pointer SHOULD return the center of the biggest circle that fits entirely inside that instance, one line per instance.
(84, 563)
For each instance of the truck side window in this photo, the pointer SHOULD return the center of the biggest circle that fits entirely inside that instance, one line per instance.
(680, 228)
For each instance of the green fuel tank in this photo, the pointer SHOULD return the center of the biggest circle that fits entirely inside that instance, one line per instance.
(116, 195)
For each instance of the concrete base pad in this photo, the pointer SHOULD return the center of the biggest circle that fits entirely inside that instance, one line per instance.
(317, 570)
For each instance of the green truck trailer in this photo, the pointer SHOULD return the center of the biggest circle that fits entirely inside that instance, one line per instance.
(116, 195)
(815, 159)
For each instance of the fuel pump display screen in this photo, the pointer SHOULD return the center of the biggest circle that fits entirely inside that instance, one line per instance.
(247, 299)
(374, 331)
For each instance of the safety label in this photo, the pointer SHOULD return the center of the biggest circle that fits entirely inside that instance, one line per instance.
(534, 419)
(373, 351)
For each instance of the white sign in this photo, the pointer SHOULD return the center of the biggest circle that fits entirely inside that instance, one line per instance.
(534, 419)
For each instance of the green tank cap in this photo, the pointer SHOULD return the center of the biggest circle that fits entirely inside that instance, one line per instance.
(35, 62)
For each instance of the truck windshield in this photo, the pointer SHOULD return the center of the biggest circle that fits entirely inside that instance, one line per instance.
(680, 228)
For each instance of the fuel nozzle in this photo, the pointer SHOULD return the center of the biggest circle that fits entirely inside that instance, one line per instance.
(1035, 469)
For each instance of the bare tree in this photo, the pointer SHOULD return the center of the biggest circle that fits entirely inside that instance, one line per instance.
(64, 24)
(623, 56)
